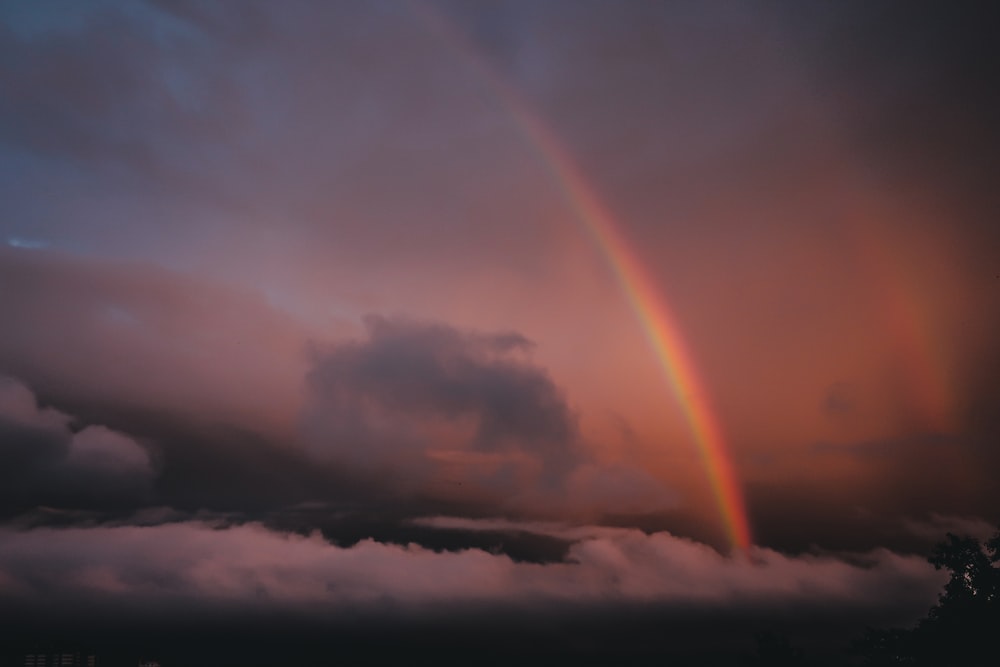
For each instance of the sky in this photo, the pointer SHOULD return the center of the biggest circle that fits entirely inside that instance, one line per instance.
(604, 327)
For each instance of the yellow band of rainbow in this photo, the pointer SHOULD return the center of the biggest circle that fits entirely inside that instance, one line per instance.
(651, 310)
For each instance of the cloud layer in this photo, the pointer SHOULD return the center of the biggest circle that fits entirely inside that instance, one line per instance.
(172, 567)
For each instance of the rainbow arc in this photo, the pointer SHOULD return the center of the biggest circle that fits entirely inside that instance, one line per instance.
(651, 310)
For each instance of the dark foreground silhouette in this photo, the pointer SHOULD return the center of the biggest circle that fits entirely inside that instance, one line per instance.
(961, 629)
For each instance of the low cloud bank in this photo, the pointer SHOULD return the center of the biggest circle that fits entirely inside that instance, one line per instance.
(197, 566)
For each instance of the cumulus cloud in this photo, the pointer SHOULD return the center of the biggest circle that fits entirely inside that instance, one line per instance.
(45, 458)
(248, 566)
(466, 400)
(465, 408)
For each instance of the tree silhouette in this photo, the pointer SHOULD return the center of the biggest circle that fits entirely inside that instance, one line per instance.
(961, 629)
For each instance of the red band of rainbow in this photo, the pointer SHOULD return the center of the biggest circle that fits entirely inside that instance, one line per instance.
(651, 310)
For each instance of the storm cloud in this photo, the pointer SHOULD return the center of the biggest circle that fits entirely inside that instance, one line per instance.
(408, 373)
(44, 460)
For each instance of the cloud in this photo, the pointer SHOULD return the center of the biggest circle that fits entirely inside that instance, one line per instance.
(465, 400)
(457, 416)
(133, 334)
(936, 525)
(178, 566)
(44, 459)
(100, 448)
(427, 404)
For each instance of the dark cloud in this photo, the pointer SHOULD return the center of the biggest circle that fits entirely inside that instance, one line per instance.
(858, 495)
(979, 406)
(408, 374)
(46, 459)
(936, 525)
(219, 467)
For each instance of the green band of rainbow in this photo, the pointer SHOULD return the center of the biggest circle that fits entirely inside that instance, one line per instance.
(658, 325)
(656, 320)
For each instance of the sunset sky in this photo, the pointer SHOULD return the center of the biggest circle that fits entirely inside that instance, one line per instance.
(336, 316)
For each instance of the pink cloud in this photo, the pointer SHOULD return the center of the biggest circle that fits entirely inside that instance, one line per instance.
(249, 565)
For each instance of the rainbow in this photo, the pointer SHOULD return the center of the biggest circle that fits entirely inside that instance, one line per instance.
(656, 320)
(907, 317)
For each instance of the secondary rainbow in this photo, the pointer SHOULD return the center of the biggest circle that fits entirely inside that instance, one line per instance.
(655, 318)
(908, 317)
